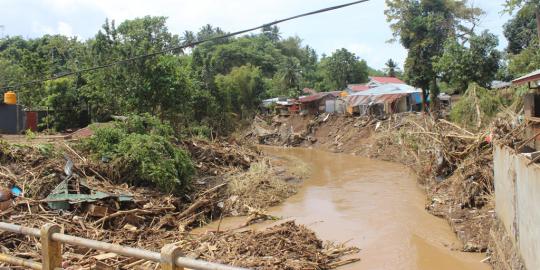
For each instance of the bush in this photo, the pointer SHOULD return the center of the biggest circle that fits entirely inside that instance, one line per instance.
(476, 107)
(146, 124)
(153, 159)
(141, 149)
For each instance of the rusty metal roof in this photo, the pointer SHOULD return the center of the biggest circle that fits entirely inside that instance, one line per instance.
(318, 96)
(533, 76)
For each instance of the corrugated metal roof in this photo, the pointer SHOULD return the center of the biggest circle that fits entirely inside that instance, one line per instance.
(389, 89)
(533, 76)
(358, 87)
(356, 100)
(318, 96)
(387, 80)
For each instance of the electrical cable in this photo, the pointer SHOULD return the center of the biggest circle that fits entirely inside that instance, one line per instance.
(189, 45)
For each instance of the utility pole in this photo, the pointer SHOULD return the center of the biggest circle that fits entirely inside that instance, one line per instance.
(2, 28)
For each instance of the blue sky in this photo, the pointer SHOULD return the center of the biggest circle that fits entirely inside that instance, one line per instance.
(362, 28)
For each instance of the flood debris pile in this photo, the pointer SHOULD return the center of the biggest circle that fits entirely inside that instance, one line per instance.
(254, 189)
(287, 246)
(88, 198)
(212, 158)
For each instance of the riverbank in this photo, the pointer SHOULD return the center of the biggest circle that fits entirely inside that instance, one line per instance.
(453, 165)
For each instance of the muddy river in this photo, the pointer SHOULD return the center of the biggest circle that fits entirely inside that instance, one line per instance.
(374, 205)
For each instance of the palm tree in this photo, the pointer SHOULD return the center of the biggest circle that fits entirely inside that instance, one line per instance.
(188, 38)
(391, 68)
(291, 74)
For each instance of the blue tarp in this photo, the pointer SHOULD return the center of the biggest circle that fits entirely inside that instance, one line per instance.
(417, 98)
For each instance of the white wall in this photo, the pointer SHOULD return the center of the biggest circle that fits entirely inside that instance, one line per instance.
(517, 202)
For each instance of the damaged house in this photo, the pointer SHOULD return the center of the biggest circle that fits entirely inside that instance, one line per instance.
(319, 102)
(384, 99)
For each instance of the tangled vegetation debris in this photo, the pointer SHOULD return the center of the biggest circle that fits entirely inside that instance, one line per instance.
(231, 180)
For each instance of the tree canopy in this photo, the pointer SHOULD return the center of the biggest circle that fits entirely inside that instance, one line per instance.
(479, 62)
(422, 27)
(208, 86)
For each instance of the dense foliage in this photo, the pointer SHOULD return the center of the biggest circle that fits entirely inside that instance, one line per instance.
(423, 27)
(522, 33)
(460, 65)
(141, 149)
(208, 87)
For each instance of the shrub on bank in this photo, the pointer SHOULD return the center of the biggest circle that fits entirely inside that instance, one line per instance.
(141, 149)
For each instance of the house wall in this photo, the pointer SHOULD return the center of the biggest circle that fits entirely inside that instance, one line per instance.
(330, 106)
(402, 104)
(517, 202)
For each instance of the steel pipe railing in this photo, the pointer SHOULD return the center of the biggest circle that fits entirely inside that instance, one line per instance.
(169, 258)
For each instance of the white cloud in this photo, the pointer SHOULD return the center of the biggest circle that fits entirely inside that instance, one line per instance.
(62, 28)
(65, 29)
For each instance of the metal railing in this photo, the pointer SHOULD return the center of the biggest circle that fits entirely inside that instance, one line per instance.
(52, 239)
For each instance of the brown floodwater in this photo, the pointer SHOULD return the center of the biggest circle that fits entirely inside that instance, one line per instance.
(374, 205)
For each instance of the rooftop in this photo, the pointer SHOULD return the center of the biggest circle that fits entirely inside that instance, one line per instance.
(531, 77)
(385, 80)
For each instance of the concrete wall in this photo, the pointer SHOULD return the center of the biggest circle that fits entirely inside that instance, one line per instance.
(517, 202)
(9, 124)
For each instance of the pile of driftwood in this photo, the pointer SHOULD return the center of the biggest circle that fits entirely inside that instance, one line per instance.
(147, 219)
(212, 158)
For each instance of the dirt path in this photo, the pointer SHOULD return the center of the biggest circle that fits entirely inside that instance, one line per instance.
(374, 205)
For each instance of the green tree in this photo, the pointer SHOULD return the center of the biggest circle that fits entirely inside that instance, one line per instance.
(391, 68)
(422, 27)
(343, 68)
(241, 90)
(63, 102)
(479, 62)
(524, 53)
(530, 5)
(528, 60)
(520, 31)
(291, 75)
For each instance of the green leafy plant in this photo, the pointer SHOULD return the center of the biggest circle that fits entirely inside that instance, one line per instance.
(142, 151)
(476, 107)
(29, 134)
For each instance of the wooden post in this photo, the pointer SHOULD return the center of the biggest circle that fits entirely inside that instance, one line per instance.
(51, 251)
(169, 253)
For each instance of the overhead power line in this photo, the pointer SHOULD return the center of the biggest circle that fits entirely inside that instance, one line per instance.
(176, 48)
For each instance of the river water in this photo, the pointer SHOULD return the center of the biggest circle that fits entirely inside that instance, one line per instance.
(374, 205)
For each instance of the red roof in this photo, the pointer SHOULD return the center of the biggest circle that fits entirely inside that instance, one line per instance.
(358, 87)
(387, 80)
